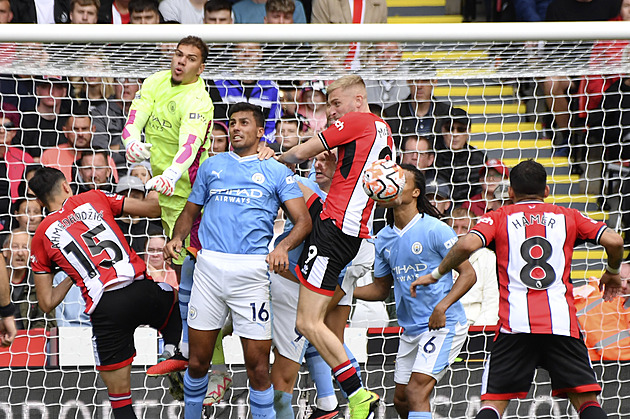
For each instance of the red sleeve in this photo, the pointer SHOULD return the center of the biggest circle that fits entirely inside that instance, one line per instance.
(115, 202)
(40, 262)
(587, 228)
(486, 227)
(344, 130)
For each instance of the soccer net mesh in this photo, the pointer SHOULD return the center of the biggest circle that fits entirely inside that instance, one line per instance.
(554, 93)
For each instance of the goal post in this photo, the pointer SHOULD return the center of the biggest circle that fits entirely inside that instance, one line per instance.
(553, 92)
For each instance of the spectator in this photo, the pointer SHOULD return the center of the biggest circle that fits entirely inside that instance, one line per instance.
(218, 12)
(92, 171)
(27, 11)
(491, 176)
(28, 214)
(421, 113)
(530, 10)
(417, 150)
(16, 252)
(84, 11)
(385, 57)
(481, 302)
(220, 142)
(279, 11)
(79, 132)
(6, 15)
(71, 311)
(183, 11)
(114, 11)
(144, 12)
(456, 160)
(312, 104)
(253, 11)
(42, 126)
(135, 229)
(141, 170)
(333, 11)
(263, 93)
(439, 195)
(157, 268)
(288, 129)
(13, 161)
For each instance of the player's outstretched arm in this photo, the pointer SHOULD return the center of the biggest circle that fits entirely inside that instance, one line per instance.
(302, 152)
(378, 290)
(48, 296)
(147, 207)
(278, 259)
(182, 228)
(7, 309)
(466, 279)
(610, 281)
(455, 257)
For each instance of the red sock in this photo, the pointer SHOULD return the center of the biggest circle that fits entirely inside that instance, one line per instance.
(121, 406)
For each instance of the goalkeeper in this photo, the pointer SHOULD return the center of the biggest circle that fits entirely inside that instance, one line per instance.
(175, 111)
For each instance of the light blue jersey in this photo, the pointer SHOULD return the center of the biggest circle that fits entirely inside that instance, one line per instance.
(412, 252)
(241, 197)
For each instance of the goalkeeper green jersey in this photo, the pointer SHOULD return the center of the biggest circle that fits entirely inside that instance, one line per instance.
(176, 120)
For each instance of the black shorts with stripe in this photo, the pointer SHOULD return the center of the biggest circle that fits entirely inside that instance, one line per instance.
(514, 358)
(121, 311)
(326, 252)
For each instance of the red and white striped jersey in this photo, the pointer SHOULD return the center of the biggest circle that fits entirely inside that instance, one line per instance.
(534, 244)
(360, 138)
(83, 239)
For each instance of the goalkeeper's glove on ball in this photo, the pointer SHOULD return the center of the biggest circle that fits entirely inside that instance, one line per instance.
(165, 183)
(138, 151)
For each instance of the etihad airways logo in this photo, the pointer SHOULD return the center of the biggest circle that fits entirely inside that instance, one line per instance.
(238, 196)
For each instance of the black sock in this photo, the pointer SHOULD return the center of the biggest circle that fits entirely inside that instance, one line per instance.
(592, 410)
(488, 412)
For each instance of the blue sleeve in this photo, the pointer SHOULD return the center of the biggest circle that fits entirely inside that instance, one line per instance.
(286, 185)
(199, 189)
(298, 15)
(275, 112)
(444, 238)
(381, 265)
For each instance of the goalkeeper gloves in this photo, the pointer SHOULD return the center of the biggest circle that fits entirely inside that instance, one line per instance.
(165, 183)
(138, 151)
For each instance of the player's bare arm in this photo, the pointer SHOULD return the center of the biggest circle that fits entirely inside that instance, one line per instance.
(147, 207)
(182, 228)
(50, 297)
(7, 326)
(463, 283)
(296, 210)
(455, 257)
(302, 152)
(378, 290)
(610, 281)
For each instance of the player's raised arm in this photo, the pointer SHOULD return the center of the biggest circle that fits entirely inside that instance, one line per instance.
(182, 229)
(302, 152)
(610, 281)
(7, 309)
(295, 208)
(139, 113)
(147, 207)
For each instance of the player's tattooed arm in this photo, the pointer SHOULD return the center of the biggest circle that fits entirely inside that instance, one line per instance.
(378, 290)
(302, 152)
(182, 228)
(48, 296)
(278, 259)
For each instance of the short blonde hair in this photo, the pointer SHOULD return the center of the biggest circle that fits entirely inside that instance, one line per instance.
(345, 82)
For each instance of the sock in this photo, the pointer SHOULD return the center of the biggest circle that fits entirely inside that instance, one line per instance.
(354, 363)
(261, 403)
(121, 406)
(419, 415)
(591, 410)
(194, 393)
(347, 377)
(488, 412)
(185, 286)
(282, 405)
(321, 376)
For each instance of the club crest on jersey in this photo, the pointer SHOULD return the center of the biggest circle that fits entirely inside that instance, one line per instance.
(258, 178)
(192, 312)
(416, 248)
(339, 125)
(172, 106)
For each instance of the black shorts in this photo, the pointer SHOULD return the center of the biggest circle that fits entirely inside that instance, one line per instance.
(326, 252)
(513, 360)
(121, 311)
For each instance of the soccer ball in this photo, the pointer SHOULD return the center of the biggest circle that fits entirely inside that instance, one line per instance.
(383, 180)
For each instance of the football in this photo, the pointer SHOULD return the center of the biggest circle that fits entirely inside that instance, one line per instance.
(383, 180)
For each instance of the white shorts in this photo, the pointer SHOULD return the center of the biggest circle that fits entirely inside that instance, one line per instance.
(284, 299)
(429, 353)
(238, 283)
(360, 266)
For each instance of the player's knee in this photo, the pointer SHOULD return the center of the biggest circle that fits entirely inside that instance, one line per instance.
(198, 366)
(307, 327)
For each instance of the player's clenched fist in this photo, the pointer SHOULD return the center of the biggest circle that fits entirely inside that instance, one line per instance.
(172, 249)
(138, 151)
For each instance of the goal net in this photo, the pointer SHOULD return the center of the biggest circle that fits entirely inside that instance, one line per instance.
(557, 93)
